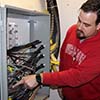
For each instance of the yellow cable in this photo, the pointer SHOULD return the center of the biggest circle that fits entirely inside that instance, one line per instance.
(53, 47)
(53, 57)
(9, 98)
(10, 69)
(54, 62)
(54, 68)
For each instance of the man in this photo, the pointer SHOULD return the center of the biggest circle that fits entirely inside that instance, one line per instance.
(79, 75)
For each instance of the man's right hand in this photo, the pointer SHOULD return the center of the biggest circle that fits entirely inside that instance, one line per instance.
(29, 82)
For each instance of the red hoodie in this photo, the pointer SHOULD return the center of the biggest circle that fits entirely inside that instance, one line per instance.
(79, 74)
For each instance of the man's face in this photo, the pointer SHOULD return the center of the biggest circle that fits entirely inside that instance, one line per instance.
(86, 25)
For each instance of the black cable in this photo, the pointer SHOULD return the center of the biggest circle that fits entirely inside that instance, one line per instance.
(55, 24)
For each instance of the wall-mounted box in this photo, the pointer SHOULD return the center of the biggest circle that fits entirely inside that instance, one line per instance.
(21, 28)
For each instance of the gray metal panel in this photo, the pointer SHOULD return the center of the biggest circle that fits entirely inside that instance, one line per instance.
(39, 30)
(3, 72)
(22, 28)
(0, 55)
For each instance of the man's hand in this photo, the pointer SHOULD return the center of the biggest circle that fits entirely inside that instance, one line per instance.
(29, 81)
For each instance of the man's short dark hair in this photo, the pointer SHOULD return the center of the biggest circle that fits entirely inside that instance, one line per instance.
(92, 6)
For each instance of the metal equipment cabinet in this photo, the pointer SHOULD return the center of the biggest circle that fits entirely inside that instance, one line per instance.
(28, 26)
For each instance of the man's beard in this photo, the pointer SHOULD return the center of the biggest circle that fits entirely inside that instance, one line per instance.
(80, 34)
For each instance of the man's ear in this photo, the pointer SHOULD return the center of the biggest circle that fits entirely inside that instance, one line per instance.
(98, 26)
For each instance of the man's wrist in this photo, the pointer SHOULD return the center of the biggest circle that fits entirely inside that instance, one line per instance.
(38, 79)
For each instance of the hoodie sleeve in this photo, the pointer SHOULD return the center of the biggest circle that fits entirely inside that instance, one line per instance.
(74, 76)
(88, 70)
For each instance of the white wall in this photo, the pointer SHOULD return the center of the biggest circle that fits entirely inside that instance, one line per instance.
(38, 5)
(68, 10)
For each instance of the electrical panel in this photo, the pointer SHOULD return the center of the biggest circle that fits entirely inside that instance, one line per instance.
(24, 50)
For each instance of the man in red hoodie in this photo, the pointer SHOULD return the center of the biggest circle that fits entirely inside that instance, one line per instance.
(79, 74)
